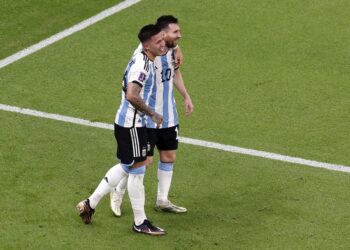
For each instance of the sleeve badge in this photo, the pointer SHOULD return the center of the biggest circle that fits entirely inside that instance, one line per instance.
(142, 77)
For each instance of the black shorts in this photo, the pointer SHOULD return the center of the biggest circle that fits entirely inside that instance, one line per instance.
(165, 139)
(132, 144)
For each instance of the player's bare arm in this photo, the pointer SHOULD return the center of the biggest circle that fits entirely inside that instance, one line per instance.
(133, 96)
(180, 86)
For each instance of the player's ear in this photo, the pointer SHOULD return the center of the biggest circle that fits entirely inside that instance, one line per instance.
(145, 46)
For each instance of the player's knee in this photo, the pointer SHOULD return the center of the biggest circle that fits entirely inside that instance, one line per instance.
(168, 157)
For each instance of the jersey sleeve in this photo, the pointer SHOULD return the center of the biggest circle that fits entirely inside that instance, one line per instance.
(139, 71)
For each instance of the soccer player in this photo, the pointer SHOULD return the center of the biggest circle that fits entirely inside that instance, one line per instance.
(162, 101)
(131, 134)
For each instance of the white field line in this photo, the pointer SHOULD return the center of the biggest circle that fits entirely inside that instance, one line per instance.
(82, 25)
(191, 141)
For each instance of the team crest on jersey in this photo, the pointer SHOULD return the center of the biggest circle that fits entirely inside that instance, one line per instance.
(142, 77)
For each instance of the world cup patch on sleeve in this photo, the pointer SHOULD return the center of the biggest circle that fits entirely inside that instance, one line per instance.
(142, 77)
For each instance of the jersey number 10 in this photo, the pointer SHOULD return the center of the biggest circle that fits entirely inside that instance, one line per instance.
(166, 75)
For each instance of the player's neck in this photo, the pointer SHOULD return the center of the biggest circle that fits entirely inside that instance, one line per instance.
(149, 55)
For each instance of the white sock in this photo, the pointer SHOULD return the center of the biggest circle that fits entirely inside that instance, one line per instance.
(165, 175)
(136, 193)
(120, 189)
(111, 179)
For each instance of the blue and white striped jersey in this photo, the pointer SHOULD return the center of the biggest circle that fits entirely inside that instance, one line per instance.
(140, 70)
(162, 98)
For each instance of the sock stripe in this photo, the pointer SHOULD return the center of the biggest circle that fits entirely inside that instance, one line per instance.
(165, 166)
(138, 170)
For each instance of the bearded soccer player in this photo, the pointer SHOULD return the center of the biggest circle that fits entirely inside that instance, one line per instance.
(162, 101)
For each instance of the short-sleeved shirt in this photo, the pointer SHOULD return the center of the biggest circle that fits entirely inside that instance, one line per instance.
(162, 98)
(140, 70)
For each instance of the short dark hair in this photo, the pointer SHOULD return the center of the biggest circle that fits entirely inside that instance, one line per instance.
(147, 32)
(164, 21)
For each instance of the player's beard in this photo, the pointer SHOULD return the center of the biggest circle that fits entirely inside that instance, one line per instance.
(171, 44)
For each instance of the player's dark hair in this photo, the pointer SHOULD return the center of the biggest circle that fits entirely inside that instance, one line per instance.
(164, 21)
(147, 32)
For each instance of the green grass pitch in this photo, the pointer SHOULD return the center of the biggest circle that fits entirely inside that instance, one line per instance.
(268, 75)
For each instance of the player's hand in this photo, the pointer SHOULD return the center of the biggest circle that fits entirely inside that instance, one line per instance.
(188, 106)
(157, 118)
(179, 57)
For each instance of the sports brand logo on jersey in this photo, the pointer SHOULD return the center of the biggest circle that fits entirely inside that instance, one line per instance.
(142, 77)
